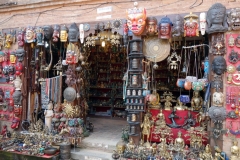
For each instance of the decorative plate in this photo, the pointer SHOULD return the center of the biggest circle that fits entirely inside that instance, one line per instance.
(69, 94)
(156, 49)
(86, 27)
(117, 23)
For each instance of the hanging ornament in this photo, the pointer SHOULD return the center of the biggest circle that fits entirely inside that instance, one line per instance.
(173, 60)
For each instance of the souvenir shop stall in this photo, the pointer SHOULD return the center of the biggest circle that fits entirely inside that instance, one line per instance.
(43, 91)
(181, 88)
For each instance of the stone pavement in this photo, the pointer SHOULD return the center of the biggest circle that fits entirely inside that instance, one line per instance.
(102, 141)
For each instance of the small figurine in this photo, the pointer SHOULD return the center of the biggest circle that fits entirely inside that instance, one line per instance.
(48, 116)
(189, 121)
(146, 125)
(207, 155)
(196, 101)
(235, 151)
(130, 146)
(179, 141)
(172, 116)
(40, 36)
(180, 105)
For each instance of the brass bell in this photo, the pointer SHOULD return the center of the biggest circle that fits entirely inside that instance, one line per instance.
(155, 66)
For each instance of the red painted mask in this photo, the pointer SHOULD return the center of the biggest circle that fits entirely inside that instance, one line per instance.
(136, 20)
(20, 39)
(191, 25)
(19, 68)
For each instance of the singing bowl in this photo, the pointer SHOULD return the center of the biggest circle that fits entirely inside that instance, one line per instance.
(50, 151)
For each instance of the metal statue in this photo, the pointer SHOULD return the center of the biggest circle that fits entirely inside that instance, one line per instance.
(235, 151)
(196, 101)
(172, 116)
(207, 155)
(146, 125)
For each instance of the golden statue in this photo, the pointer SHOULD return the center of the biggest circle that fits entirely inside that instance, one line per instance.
(146, 125)
(154, 148)
(179, 141)
(196, 101)
(235, 152)
(163, 152)
(207, 155)
(168, 99)
(179, 105)
(130, 146)
(161, 123)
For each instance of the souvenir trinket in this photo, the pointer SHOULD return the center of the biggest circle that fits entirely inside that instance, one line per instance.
(117, 24)
(86, 27)
(17, 97)
(233, 57)
(218, 99)
(219, 65)
(6, 72)
(73, 33)
(189, 121)
(168, 99)
(235, 155)
(18, 68)
(180, 105)
(177, 30)
(217, 83)
(164, 28)
(233, 19)
(64, 34)
(17, 83)
(30, 35)
(48, 32)
(207, 154)
(146, 126)
(191, 25)
(232, 115)
(231, 68)
(81, 33)
(151, 27)
(136, 19)
(218, 44)
(69, 94)
(173, 60)
(2, 41)
(203, 23)
(231, 41)
(134, 80)
(15, 122)
(237, 41)
(217, 18)
(48, 115)
(56, 32)
(1, 95)
(196, 101)
(40, 36)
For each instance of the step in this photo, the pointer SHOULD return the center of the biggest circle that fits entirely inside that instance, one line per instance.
(90, 154)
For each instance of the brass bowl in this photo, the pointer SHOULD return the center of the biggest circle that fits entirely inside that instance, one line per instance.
(50, 151)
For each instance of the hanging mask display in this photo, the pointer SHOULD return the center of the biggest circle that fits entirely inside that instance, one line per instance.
(177, 26)
(30, 35)
(64, 34)
(40, 36)
(18, 68)
(233, 57)
(72, 54)
(217, 83)
(237, 41)
(20, 38)
(136, 19)
(203, 23)
(48, 32)
(73, 33)
(217, 19)
(233, 19)
(219, 65)
(151, 27)
(218, 99)
(8, 41)
(6, 72)
(231, 41)
(20, 54)
(12, 57)
(11, 72)
(191, 25)
(56, 31)
(164, 28)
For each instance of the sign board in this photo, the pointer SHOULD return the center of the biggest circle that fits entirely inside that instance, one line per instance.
(104, 9)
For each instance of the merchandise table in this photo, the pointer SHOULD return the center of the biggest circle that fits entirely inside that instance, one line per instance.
(8, 155)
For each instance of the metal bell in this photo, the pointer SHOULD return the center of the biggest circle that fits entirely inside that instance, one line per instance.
(155, 66)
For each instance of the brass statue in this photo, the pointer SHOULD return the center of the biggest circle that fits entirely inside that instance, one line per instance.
(164, 154)
(146, 125)
(168, 99)
(207, 155)
(179, 141)
(130, 146)
(235, 151)
(180, 105)
(196, 101)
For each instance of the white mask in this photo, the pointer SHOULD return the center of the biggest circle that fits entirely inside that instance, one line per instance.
(203, 22)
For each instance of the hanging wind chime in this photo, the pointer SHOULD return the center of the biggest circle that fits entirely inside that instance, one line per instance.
(173, 59)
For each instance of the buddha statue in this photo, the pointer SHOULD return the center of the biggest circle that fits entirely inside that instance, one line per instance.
(164, 28)
(40, 36)
(164, 154)
(235, 151)
(64, 34)
(179, 141)
(161, 123)
(73, 33)
(151, 27)
(48, 32)
(217, 18)
(207, 155)
(56, 31)
(179, 105)
(219, 65)
(196, 101)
